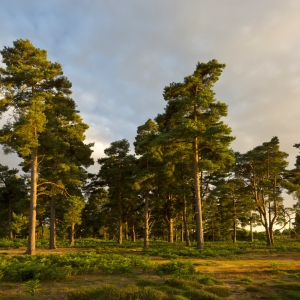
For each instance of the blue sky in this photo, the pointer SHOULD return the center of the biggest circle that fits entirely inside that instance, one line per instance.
(119, 55)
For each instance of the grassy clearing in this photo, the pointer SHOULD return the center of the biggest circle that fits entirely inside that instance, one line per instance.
(105, 270)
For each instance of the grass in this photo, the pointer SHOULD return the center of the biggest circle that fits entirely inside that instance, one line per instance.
(105, 270)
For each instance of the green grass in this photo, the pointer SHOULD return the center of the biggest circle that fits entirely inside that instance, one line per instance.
(246, 280)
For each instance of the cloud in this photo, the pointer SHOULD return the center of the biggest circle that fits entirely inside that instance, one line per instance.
(120, 56)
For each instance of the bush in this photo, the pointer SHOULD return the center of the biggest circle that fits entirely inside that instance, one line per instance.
(209, 280)
(176, 267)
(58, 267)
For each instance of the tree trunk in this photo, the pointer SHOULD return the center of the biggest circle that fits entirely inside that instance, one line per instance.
(120, 233)
(186, 225)
(104, 234)
(170, 231)
(146, 215)
(234, 231)
(10, 233)
(234, 222)
(72, 234)
(52, 224)
(33, 200)
(182, 231)
(126, 230)
(251, 229)
(132, 233)
(43, 231)
(198, 206)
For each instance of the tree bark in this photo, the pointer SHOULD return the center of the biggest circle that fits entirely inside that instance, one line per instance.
(170, 230)
(104, 234)
(10, 233)
(126, 230)
(132, 233)
(251, 229)
(234, 222)
(72, 233)
(146, 215)
(52, 224)
(198, 205)
(33, 200)
(186, 225)
(182, 231)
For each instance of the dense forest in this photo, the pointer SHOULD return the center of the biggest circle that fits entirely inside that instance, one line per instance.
(184, 182)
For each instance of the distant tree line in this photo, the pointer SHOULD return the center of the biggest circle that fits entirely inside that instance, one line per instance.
(184, 181)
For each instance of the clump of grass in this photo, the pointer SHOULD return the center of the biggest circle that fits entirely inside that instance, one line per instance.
(195, 294)
(108, 292)
(246, 280)
(219, 291)
(272, 297)
(146, 282)
(294, 295)
(179, 297)
(253, 289)
(288, 286)
(183, 284)
(209, 280)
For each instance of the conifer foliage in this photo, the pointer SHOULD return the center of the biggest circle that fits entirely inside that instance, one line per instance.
(29, 83)
(184, 182)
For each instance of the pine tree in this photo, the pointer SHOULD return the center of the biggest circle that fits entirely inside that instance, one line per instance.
(263, 171)
(13, 198)
(115, 174)
(29, 83)
(192, 116)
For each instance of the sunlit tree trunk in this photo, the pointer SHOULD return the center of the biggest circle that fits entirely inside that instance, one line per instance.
(146, 216)
(52, 224)
(33, 202)
(72, 234)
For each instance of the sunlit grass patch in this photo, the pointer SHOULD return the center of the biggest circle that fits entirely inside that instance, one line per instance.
(109, 292)
(245, 280)
(219, 291)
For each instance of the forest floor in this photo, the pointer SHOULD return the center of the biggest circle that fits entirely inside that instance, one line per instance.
(272, 276)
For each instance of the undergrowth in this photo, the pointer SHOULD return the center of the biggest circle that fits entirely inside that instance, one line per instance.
(58, 267)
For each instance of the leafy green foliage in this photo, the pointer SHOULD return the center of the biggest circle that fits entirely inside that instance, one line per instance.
(58, 267)
(176, 267)
(32, 286)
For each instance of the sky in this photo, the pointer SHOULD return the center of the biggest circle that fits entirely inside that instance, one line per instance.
(120, 54)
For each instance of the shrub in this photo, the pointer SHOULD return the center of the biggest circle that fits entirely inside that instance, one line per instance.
(176, 267)
(32, 286)
(209, 280)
